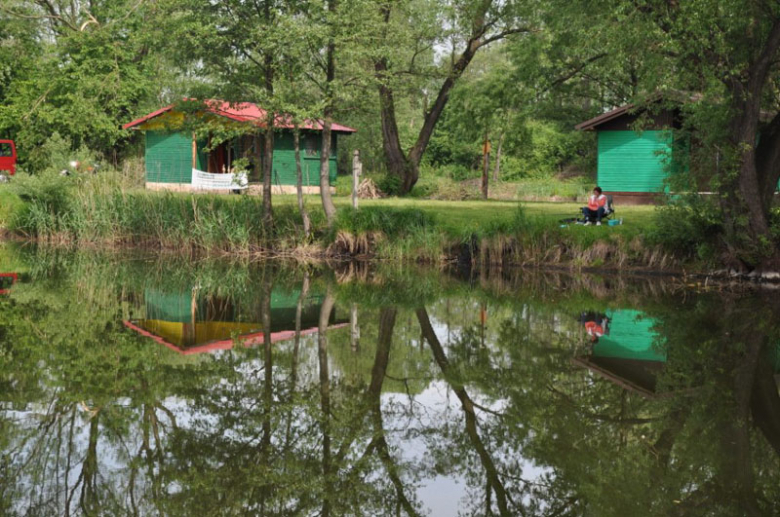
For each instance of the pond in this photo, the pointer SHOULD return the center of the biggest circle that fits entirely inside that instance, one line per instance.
(162, 386)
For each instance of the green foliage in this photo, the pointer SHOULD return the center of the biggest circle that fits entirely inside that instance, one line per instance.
(392, 222)
(544, 148)
(85, 73)
(774, 223)
(47, 195)
(56, 153)
(87, 208)
(689, 226)
(389, 184)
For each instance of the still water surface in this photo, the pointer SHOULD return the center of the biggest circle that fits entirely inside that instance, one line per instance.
(136, 386)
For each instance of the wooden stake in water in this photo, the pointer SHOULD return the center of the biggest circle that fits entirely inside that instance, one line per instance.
(357, 170)
(354, 328)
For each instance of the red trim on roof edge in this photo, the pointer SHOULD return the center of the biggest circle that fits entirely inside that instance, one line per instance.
(604, 117)
(245, 112)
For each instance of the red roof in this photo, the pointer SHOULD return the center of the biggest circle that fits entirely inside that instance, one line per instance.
(245, 112)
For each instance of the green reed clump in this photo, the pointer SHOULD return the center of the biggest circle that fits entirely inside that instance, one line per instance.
(388, 233)
(102, 209)
(390, 221)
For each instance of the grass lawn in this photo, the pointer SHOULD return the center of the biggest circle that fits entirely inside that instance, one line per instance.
(455, 218)
(459, 216)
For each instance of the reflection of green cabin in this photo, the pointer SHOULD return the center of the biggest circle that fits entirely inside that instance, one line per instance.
(629, 355)
(171, 153)
(190, 323)
(632, 354)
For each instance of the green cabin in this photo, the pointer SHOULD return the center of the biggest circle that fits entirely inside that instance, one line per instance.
(171, 153)
(631, 162)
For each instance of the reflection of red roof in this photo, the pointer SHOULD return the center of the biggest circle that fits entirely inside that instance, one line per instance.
(256, 338)
(245, 112)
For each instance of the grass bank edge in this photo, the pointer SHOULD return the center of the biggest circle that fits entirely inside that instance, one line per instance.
(495, 232)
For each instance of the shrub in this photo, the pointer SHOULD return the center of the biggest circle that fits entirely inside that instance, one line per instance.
(688, 226)
(390, 184)
(389, 221)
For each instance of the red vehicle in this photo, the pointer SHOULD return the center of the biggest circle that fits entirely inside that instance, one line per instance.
(7, 157)
(6, 281)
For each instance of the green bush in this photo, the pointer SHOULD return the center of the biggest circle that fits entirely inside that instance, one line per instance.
(689, 226)
(388, 220)
(55, 155)
(774, 223)
(390, 184)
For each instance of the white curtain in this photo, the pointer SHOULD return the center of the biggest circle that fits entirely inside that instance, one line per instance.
(208, 181)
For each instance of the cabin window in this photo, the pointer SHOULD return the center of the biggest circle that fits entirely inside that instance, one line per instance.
(5, 150)
(310, 144)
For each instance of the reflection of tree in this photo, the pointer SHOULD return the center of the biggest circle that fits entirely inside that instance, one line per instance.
(494, 481)
(322, 354)
(96, 420)
(378, 373)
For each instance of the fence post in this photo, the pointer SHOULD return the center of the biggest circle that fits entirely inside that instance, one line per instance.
(357, 170)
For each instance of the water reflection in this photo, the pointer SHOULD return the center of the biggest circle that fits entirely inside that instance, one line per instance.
(380, 392)
(624, 349)
(193, 322)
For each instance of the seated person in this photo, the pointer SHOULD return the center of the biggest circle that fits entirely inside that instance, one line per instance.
(596, 209)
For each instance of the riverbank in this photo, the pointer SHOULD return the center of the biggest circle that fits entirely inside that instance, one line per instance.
(474, 233)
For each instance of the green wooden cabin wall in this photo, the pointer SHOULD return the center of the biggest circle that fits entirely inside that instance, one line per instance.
(168, 157)
(284, 158)
(633, 162)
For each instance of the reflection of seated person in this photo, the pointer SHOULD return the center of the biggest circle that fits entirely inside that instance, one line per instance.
(596, 209)
(596, 325)
(594, 330)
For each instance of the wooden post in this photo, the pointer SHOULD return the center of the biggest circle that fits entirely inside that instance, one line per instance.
(485, 166)
(357, 170)
(194, 152)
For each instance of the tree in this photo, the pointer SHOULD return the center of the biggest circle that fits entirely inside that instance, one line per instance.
(84, 70)
(477, 23)
(239, 49)
(727, 51)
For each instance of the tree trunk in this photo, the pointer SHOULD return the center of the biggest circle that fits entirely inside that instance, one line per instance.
(395, 159)
(268, 154)
(406, 167)
(330, 75)
(268, 169)
(327, 200)
(485, 166)
(299, 182)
